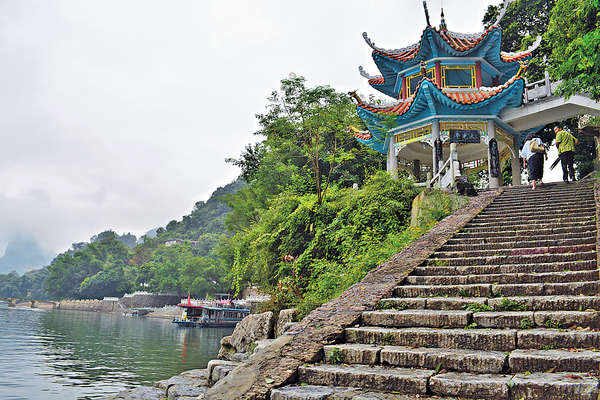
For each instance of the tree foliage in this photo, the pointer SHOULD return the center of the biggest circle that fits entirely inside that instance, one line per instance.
(575, 36)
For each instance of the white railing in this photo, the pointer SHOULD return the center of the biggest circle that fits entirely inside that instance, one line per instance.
(540, 89)
(446, 176)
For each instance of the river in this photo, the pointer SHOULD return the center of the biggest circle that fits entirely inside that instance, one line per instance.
(50, 355)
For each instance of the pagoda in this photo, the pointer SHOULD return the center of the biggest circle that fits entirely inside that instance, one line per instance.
(448, 92)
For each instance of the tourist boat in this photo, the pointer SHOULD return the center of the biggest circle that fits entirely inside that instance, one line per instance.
(210, 313)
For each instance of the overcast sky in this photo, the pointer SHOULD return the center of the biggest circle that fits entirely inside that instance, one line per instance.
(119, 114)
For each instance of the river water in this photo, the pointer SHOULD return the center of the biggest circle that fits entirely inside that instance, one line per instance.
(50, 355)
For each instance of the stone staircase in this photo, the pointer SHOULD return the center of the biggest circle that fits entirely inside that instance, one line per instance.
(506, 309)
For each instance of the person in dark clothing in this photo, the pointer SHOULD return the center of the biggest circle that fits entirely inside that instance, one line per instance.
(533, 154)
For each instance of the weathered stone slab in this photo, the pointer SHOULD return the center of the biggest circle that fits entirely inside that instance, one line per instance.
(555, 386)
(567, 319)
(178, 391)
(537, 338)
(404, 303)
(437, 280)
(140, 393)
(449, 359)
(180, 380)
(217, 369)
(311, 392)
(405, 381)
(474, 386)
(352, 354)
(501, 320)
(450, 290)
(414, 318)
(195, 373)
(572, 288)
(557, 360)
(284, 317)
(306, 392)
(433, 270)
(527, 289)
(453, 303)
(566, 303)
(476, 339)
(525, 300)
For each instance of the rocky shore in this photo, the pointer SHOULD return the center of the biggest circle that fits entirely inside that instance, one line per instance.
(251, 335)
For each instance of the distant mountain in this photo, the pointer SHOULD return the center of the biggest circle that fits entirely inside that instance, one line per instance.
(22, 255)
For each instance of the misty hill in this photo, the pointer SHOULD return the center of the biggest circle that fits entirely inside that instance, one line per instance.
(207, 217)
(23, 254)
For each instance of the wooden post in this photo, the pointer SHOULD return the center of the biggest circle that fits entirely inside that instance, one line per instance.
(478, 77)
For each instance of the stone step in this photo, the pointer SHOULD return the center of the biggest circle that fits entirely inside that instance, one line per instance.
(314, 392)
(553, 206)
(448, 359)
(526, 206)
(416, 318)
(471, 386)
(401, 380)
(431, 303)
(521, 244)
(406, 357)
(543, 386)
(545, 339)
(530, 319)
(545, 234)
(516, 252)
(397, 317)
(507, 259)
(551, 303)
(443, 290)
(506, 278)
(561, 212)
(572, 306)
(505, 269)
(543, 201)
(542, 194)
(536, 219)
(475, 339)
(555, 360)
(526, 227)
(535, 199)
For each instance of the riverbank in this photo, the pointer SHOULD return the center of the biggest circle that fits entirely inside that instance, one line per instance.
(251, 335)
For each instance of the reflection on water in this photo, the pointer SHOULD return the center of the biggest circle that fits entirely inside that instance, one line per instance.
(73, 354)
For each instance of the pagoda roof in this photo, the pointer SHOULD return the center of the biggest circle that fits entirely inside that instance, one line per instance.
(438, 43)
(430, 100)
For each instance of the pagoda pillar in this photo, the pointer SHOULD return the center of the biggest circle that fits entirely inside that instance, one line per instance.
(392, 160)
(494, 168)
(516, 163)
(435, 136)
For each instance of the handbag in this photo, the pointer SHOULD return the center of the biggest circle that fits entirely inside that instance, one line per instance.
(536, 147)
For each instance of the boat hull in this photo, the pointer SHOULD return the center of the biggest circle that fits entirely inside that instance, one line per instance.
(205, 324)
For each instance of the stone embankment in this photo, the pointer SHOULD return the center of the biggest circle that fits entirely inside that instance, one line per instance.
(252, 334)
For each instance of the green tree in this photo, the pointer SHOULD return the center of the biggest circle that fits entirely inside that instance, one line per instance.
(575, 37)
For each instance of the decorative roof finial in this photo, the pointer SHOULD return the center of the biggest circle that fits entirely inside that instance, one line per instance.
(426, 12)
(443, 25)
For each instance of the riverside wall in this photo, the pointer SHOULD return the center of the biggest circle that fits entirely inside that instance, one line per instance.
(115, 304)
